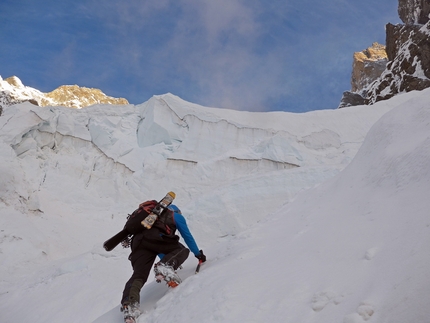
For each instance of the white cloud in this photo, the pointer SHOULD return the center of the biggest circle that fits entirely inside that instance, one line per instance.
(232, 53)
(223, 17)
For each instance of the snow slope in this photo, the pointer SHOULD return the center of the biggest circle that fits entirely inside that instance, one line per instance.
(290, 233)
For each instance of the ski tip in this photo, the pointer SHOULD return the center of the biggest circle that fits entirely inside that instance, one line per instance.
(172, 194)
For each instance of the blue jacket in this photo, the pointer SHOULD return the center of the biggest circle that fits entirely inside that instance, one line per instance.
(181, 225)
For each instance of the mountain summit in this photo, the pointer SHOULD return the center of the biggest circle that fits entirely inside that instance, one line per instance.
(13, 91)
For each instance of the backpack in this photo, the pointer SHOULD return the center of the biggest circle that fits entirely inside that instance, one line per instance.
(163, 229)
(133, 224)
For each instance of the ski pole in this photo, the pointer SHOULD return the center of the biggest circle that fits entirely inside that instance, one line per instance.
(198, 266)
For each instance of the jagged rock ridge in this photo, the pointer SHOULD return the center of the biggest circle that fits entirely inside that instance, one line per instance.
(368, 65)
(74, 96)
(13, 91)
(409, 68)
(413, 12)
(408, 54)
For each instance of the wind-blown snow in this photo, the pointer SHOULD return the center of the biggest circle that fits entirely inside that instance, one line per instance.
(297, 226)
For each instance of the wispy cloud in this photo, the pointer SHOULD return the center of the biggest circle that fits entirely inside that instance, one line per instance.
(243, 54)
(215, 45)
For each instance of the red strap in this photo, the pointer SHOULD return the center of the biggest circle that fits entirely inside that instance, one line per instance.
(148, 206)
(173, 217)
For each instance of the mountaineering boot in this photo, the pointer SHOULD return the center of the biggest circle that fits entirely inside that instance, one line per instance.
(166, 272)
(131, 312)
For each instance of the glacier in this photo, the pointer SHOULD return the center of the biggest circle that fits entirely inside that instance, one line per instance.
(311, 217)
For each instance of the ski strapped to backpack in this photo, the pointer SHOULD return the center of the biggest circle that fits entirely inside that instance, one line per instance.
(153, 208)
(159, 208)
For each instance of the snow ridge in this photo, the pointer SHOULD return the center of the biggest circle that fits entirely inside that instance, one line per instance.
(341, 238)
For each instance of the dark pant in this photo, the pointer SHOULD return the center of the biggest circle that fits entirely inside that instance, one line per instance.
(142, 261)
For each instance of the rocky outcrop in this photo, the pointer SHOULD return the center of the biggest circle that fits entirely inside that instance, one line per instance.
(367, 66)
(7, 99)
(12, 91)
(409, 68)
(413, 12)
(73, 96)
(350, 99)
(408, 56)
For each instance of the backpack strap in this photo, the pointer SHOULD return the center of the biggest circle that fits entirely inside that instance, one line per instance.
(148, 206)
(173, 217)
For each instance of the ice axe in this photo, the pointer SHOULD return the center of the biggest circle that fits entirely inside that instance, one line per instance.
(202, 258)
(198, 266)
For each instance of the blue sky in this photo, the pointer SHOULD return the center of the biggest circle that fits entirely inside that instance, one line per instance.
(254, 55)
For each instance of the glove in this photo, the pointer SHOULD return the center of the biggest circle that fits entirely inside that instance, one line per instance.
(201, 256)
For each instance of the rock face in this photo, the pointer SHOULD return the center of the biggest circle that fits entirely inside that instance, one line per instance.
(74, 96)
(367, 66)
(409, 68)
(408, 55)
(413, 12)
(350, 99)
(12, 91)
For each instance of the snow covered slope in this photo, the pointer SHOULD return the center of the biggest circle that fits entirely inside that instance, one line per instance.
(342, 251)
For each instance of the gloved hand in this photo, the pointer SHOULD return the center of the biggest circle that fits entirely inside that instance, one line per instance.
(201, 256)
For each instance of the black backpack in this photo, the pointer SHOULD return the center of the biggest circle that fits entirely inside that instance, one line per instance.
(133, 224)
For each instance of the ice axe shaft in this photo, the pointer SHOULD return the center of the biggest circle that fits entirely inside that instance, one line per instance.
(198, 266)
